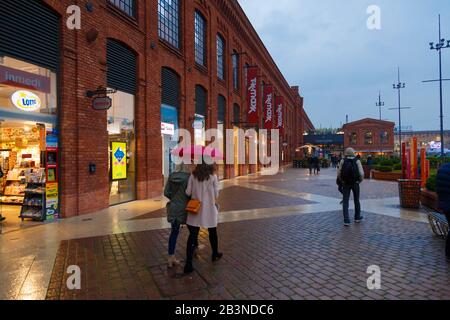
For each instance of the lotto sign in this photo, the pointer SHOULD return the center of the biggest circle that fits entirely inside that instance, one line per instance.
(268, 107)
(26, 101)
(252, 95)
(279, 116)
(118, 161)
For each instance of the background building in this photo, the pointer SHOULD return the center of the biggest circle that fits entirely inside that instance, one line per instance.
(172, 64)
(428, 139)
(369, 136)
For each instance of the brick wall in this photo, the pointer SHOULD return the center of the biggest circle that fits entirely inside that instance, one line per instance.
(84, 137)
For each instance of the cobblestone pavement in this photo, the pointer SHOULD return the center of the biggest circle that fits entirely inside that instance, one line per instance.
(282, 237)
(297, 257)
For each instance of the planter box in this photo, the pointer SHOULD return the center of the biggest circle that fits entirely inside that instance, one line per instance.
(409, 191)
(386, 176)
(429, 199)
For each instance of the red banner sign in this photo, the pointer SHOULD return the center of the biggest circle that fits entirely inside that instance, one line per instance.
(268, 107)
(22, 79)
(252, 95)
(279, 114)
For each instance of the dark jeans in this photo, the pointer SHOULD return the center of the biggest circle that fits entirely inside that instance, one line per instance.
(174, 237)
(193, 242)
(346, 191)
(447, 244)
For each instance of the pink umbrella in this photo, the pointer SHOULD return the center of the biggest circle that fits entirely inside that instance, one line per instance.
(198, 151)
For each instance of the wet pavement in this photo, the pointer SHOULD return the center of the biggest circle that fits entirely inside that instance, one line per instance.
(282, 237)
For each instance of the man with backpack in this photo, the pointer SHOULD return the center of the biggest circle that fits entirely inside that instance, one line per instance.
(443, 191)
(351, 174)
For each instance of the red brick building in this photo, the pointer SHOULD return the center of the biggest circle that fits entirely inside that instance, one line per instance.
(369, 136)
(180, 64)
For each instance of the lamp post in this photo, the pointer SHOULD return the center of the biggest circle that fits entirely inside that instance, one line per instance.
(380, 104)
(399, 86)
(438, 47)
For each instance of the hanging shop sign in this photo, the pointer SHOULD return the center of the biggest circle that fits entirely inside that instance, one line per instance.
(18, 78)
(100, 100)
(279, 116)
(118, 161)
(26, 101)
(252, 95)
(268, 107)
(102, 103)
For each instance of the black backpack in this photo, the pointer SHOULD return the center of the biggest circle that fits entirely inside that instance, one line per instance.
(350, 172)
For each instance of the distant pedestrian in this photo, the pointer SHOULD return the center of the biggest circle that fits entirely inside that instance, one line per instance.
(316, 164)
(203, 186)
(310, 164)
(175, 191)
(443, 191)
(351, 174)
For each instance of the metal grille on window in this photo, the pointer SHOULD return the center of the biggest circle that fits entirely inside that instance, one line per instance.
(221, 105)
(169, 21)
(236, 114)
(127, 6)
(220, 58)
(235, 70)
(200, 39)
(200, 101)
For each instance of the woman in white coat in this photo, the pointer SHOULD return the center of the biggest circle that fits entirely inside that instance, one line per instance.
(203, 186)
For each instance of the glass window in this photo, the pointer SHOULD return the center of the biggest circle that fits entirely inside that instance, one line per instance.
(235, 70)
(200, 39)
(127, 6)
(27, 91)
(220, 58)
(384, 137)
(353, 138)
(368, 138)
(169, 21)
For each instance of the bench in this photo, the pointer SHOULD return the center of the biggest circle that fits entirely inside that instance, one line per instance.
(438, 223)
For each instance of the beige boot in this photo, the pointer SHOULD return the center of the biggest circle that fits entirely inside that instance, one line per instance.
(172, 261)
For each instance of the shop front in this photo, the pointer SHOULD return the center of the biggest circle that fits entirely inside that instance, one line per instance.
(170, 104)
(28, 141)
(29, 135)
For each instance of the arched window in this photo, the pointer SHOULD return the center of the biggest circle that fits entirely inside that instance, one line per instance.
(200, 39)
(220, 57)
(169, 21)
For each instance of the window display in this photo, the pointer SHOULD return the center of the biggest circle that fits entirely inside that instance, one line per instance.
(28, 166)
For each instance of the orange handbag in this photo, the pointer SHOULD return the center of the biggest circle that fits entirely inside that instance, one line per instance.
(193, 206)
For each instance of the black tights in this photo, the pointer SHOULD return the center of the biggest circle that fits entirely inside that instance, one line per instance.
(193, 239)
(447, 247)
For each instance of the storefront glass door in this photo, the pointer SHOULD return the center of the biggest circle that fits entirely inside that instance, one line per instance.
(122, 148)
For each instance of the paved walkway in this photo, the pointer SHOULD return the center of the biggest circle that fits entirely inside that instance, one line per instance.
(282, 237)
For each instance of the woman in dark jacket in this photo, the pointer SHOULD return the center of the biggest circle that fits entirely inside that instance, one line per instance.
(443, 191)
(175, 191)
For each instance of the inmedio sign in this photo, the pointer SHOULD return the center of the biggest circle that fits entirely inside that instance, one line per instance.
(26, 101)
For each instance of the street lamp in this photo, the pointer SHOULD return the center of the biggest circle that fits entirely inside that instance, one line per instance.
(380, 104)
(399, 86)
(438, 47)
